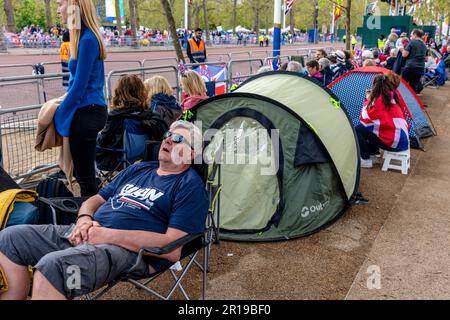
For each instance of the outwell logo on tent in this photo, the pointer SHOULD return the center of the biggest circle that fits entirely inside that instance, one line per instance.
(314, 209)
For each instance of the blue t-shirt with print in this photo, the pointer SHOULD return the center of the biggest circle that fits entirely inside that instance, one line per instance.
(140, 199)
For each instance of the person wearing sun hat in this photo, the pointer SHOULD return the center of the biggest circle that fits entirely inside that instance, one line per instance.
(339, 68)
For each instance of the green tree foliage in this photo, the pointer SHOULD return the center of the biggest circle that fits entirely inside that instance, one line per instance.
(221, 13)
(30, 12)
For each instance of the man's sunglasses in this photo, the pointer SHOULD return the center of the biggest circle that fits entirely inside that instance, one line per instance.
(176, 138)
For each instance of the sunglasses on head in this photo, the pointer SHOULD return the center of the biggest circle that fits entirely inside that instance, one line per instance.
(176, 138)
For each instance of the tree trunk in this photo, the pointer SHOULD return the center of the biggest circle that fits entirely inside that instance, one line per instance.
(9, 12)
(118, 17)
(189, 16)
(348, 37)
(102, 10)
(292, 21)
(234, 15)
(2, 37)
(172, 29)
(138, 19)
(205, 15)
(256, 21)
(48, 14)
(133, 22)
(316, 20)
(196, 13)
(267, 24)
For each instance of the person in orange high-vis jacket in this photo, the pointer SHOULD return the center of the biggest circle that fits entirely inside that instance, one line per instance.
(64, 55)
(196, 50)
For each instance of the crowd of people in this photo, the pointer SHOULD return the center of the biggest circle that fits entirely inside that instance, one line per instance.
(409, 57)
(35, 36)
(382, 122)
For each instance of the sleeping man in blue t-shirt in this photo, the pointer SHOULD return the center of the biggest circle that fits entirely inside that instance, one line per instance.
(147, 205)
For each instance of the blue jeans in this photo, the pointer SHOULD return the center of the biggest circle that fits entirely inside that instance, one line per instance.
(369, 144)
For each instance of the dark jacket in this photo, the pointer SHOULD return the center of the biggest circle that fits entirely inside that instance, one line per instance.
(327, 76)
(166, 107)
(349, 65)
(112, 135)
(390, 63)
(338, 70)
(399, 64)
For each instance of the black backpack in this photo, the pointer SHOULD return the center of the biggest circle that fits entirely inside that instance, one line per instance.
(53, 188)
(6, 182)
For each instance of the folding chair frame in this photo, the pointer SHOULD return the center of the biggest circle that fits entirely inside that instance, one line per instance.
(210, 235)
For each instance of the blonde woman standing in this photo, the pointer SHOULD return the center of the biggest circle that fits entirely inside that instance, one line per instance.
(195, 89)
(83, 112)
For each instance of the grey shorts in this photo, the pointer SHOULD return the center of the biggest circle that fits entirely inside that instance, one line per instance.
(73, 271)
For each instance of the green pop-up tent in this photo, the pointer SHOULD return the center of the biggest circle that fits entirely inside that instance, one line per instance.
(290, 160)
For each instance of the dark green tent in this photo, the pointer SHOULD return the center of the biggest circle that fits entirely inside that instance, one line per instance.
(290, 160)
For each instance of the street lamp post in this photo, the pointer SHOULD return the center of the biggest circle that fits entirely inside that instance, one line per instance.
(276, 33)
(186, 12)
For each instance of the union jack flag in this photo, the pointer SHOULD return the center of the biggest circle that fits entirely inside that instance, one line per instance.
(215, 74)
(391, 128)
(289, 4)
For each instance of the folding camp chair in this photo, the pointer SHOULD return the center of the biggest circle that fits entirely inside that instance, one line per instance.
(191, 244)
(435, 78)
(134, 142)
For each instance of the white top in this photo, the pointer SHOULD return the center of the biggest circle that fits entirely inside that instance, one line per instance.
(399, 43)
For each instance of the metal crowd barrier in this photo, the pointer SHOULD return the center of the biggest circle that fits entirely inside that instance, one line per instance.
(266, 60)
(145, 62)
(143, 71)
(240, 61)
(221, 57)
(17, 139)
(16, 66)
(33, 90)
(249, 53)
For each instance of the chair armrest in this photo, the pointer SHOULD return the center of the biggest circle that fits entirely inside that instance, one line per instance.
(70, 205)
(171, 246)
(109, 149)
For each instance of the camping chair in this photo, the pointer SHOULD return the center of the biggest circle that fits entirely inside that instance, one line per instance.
(435, 78)
(192, 244)
(134, 141)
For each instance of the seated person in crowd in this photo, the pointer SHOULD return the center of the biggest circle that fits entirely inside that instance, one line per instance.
(283, 66)
(161, 99)
(350, 63)
(366, 54)
(382, 121)
(327, 74)
(195, 89)
(321, 53)
(339, 69)
(147, 205)
(430, 62)
(129, 102)
(369, 63)
(389, 63)
(313, 70)
(264, 69)
(294, 66)
(376, 56)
